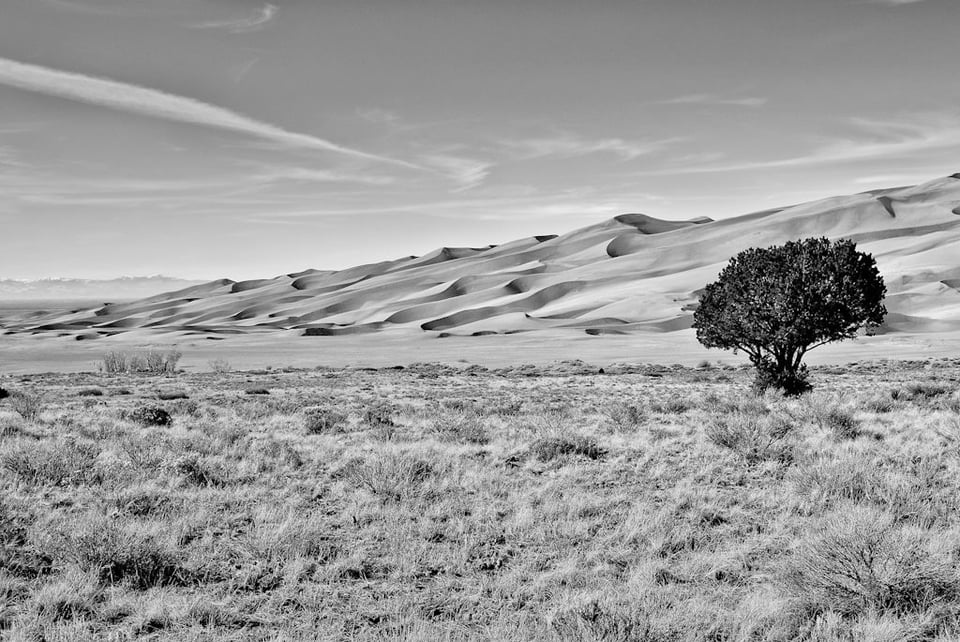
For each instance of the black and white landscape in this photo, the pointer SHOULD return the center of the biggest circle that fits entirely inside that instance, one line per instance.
(479, 320)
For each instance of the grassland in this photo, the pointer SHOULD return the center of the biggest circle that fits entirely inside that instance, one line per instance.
(454, 503)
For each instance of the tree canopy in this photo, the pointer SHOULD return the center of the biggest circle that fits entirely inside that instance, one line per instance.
(778, 303)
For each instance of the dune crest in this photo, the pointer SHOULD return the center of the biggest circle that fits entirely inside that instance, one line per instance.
(632, 273)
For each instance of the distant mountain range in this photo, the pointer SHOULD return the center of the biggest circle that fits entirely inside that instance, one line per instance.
(123, 288)
(632, 273)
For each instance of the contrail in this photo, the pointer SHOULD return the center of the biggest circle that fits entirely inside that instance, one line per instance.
(159, 104)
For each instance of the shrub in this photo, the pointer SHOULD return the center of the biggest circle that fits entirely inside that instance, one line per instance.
(172, 395)
(28, 405)
(923, 391)
(672, 406)
(90, 392)
(755, 437)
(776, 304)
(393, 476)
(462, 427)
(16, 555)
(148, 362)
(52, 463)
(3, 393)
(220, 366)
(860, 561)
(555, 447)
(843, 423)
(200, 471)
(114, 363)
(379, 414)
(626, 416)
(321, 421)
(257, 390)
(116, 553)
(150, 416)
(879, 404)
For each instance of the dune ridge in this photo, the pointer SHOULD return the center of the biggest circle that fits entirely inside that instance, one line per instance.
(632, 273)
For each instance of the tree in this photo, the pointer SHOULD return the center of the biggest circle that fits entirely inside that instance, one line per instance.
(778, 303)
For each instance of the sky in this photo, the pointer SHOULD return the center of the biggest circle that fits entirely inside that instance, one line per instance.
(247, 139)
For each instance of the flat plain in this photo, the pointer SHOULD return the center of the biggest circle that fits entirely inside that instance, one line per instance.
(460, 502)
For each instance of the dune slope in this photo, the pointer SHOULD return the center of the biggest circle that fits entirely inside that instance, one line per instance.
(631, 273)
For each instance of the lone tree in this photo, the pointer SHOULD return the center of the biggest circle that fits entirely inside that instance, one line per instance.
(778, 303)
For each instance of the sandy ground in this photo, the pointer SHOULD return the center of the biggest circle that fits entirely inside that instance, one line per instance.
(21, 354)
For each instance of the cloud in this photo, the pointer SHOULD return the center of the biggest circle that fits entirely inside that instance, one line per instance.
(712, 99)
(895, 3)
(249, 24)
(466, 172)
(875, 140)
(379, 116)
(320, 176)
(568, 146)
(158, 104)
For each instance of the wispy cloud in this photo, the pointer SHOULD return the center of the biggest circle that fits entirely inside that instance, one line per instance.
(713, 99)
(379, 116)
(466, 172)
(895, 3)
(569, 145)
(307, 175)
(158, 104)
(248, 24)
(875, 139)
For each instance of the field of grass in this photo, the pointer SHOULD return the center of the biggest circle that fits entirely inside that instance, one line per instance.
(455, 503)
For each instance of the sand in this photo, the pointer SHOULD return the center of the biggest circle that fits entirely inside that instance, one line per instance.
(623, 289)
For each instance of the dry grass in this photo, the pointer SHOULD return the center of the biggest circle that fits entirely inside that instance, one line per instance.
(456, 503)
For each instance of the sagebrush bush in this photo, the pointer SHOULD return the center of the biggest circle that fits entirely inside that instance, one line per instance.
(672, 406)
(563, 445)
(842, 423)
(861, 561)
(28, 404)
(321, 420)
(150, 416)
(201, 471)
(55, 463)
(220, 366)
(921, 391)
(379, 413)
(755, 437)
(461, 427)
(626, 416)
(115, 552)
(90, 392)
(393, 477)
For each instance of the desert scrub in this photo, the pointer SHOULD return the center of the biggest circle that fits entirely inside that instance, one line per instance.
(672, 406)
(461, 427)
(861, 561)
(626, 416)
(147, 362)
(910, 489)
(150, 416)
(562, 445)
(63, 462)
(29, 404)
(197, 470)
(322, 421)
(394, 476)
(754, 436)
(379, 414)
(115, 552)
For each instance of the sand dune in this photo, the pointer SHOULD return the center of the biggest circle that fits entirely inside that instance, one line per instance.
(633, 273)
